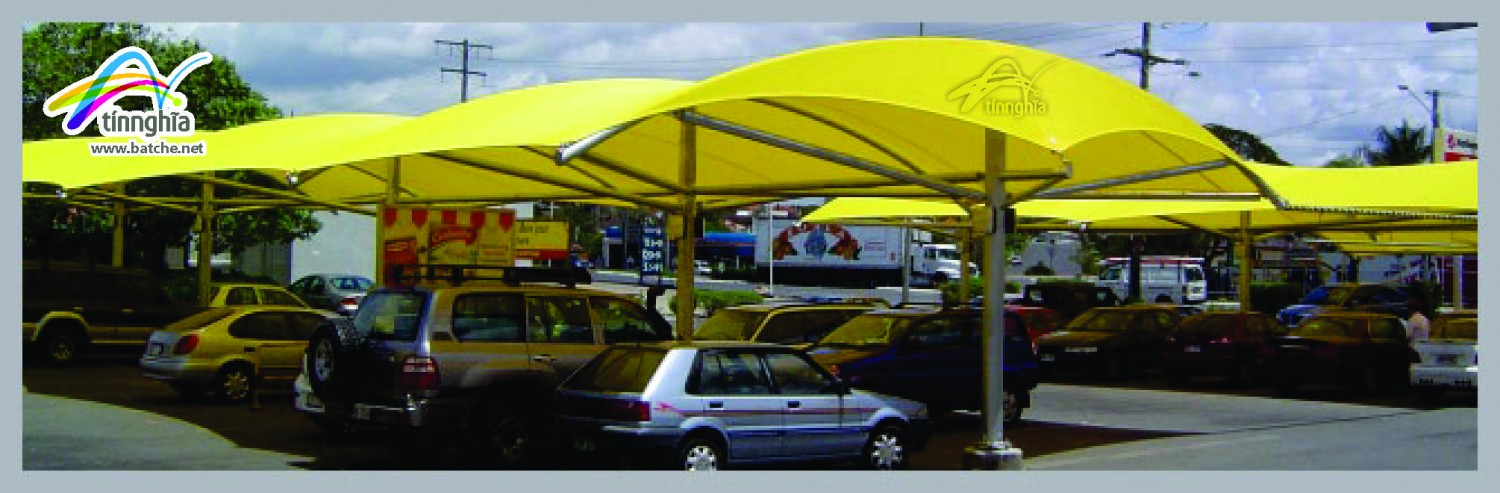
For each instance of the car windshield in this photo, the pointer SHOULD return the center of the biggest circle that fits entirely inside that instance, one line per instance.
(351, 283)
(1466, 328)
(617, 370)
(729, 325)
(945, 253)
(1101, 321)
(867, 330)
(1326, 327)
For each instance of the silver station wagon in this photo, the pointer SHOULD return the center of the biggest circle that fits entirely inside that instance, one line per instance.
(708, 405)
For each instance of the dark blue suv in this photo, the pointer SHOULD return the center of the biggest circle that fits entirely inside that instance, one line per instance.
(929, 355)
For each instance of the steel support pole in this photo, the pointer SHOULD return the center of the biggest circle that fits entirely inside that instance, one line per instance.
(687, 176)
(206, 241)
(1458, 281)
(964, 235)
(770, 252)
(392, 193)
(1244, 245)
(993, 452)
(117, 251)
(906, 265)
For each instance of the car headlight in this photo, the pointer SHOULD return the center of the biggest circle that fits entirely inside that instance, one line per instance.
(1085, 349)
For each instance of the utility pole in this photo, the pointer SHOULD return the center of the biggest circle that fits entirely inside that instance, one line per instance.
(1137, 244)
(464, 72)
(1437, 122)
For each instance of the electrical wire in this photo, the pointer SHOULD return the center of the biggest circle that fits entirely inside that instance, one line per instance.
(1328, 118)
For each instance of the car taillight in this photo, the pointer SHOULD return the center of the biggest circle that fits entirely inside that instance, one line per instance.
(627, 409)
(419, 373)
(834, 369)
(186, 344)
(350, 302)
(1221, 340)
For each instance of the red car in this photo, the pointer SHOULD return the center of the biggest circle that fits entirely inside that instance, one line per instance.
(1233, 344)
(1039, 320)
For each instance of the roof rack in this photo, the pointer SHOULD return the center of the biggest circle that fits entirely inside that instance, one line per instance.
(457, 274)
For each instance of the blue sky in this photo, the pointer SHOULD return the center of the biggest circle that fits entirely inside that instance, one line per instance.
(1311, 90)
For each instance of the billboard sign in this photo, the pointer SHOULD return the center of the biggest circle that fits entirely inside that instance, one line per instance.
(1457, 145)
(653, 254)
(542, 240)
(415, 236)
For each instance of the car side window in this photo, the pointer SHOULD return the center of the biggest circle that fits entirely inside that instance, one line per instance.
(314, 285)
(240, 296)
(730, 373)
(942, 331)
(559, 319)
(795, 375)
(302, 326)
(489, 317)
(623, 321)
(267, 326)
(278, 297)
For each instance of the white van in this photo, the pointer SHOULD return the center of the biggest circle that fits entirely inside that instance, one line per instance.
(1176, 280)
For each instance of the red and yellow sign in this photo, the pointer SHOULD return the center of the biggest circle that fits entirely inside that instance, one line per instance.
(416, 235)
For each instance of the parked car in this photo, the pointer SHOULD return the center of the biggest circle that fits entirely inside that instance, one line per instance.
(225, 349)
(340, 293)
(710, 405)
(1040, 321)
(930, 355)
(1235, 345)
(1449, 358)
(1067, 298)
(1348, 296)
(1366, 350)
(482, 362)
(1110, 342)
(794, 322)
(70, 308)
(250, 294)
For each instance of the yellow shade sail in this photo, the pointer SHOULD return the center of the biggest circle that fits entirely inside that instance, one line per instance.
(1437, 187)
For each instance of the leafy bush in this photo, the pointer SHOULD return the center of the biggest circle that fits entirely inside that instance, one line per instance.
(1270, 297)
(949, 290)
(711, 301)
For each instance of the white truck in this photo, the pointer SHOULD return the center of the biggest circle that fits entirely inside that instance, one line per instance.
(832, 254)
(1164, 279)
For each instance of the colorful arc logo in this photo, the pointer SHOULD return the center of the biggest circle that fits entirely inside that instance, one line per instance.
(1004, 72)
(129, 72)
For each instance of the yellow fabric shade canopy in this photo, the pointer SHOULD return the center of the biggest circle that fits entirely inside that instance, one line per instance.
(918, 106)
(1452, 187)
(1383, 242)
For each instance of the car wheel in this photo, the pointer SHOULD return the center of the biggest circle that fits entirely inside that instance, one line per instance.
(60, 347)
(1430, 396)
(1011, 407)
(1241, 373)
(701, 454)
(510, 440)
(1176, 375)
(234, 382)
(886, 449)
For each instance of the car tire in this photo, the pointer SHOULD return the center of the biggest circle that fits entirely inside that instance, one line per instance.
(234, 382)
(509, 439)
(1430, 396)
(1241, 374)
(1012, 406)
(326, 356)
(886, 448)
(701, 453)
(61, 346)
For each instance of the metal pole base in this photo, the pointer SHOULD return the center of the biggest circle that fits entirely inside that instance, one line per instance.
(993, 456)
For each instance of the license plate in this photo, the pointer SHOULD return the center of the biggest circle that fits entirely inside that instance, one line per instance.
(155, 349)
(1192, 349)
(1048, 357)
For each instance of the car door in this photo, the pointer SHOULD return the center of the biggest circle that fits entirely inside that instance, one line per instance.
(560, 333)
(271, 338)
(736, 393)
(936, 362)
(813, 412)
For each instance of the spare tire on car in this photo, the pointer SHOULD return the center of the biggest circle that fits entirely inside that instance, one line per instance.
(330, 360)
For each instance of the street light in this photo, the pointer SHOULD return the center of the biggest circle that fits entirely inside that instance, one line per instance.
(1434, 110)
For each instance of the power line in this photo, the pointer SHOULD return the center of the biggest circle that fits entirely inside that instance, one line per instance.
(1337, 59)
(1294, 47)
(1335, 116)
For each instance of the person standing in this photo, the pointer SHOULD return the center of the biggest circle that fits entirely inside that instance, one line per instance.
(1418, 328)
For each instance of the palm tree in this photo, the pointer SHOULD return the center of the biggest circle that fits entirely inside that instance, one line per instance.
(1398, 146)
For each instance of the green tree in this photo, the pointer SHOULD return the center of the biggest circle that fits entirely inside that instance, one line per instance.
(1345, 161)
(55, 55)
(1247, 145)
(1396, 146)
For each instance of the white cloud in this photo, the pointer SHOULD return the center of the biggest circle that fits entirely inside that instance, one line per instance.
(1320, 88)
